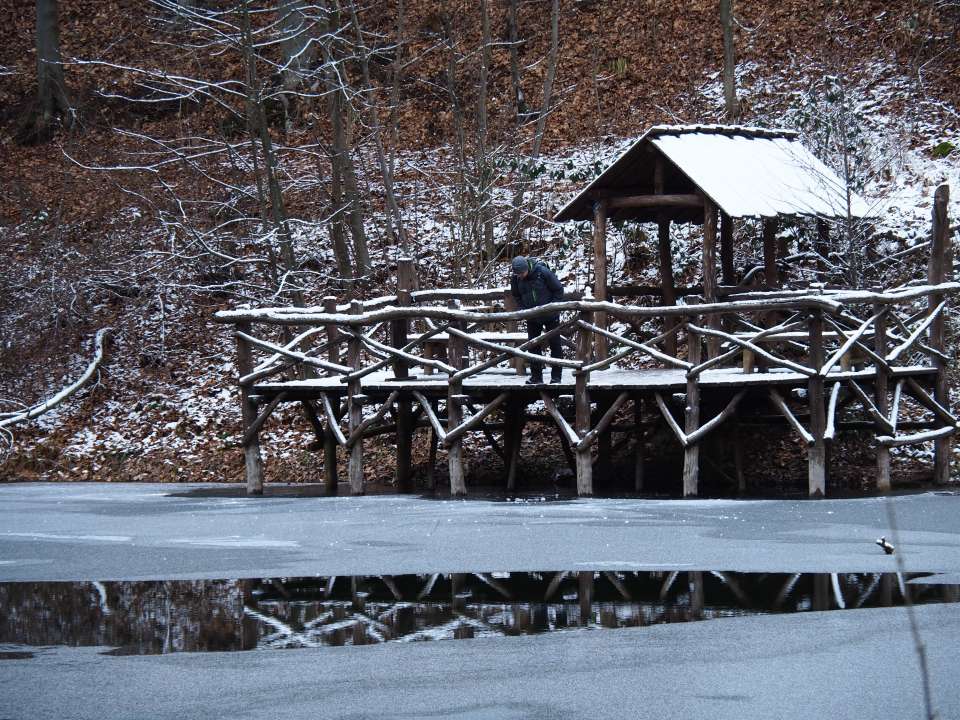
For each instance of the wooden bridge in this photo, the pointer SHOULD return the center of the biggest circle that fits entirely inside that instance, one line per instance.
(449, 361)
(812, 355)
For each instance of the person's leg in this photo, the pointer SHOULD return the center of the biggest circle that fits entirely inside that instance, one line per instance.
(534, 328)
(556, 348)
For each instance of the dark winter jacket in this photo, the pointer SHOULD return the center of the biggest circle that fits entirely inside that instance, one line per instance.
(539, 287)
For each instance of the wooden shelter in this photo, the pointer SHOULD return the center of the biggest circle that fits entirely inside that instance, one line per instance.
(709, 175)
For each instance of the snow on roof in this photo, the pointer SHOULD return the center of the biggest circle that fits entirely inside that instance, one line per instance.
(746, 171)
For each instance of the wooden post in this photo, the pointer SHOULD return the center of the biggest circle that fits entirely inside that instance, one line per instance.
(513, 437)
(510, 304)
(697, 599)
(638, 444)
(738, 457)
(458, 484)
(727, 271)
(582, 404)
(406, 281)
(710, 270)
(330, 479)
(817, 452)
(603, 465)
(880, 396)
(666, 257)
(941, 268)
(585, 595)
(691, 454)
(432, 460)
(253, 462)
(822, 245)
(770, 252)
(355, 407)
(600, 269)
(666, 279)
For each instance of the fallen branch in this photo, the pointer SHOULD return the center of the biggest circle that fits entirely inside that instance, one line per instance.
(47, 405)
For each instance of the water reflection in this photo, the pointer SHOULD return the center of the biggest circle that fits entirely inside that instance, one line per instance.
(203, 615)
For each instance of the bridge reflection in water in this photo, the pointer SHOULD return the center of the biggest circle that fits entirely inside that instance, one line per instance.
(222, 615)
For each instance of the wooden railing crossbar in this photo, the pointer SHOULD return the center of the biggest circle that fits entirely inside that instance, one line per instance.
(878, 417)
(332, 423)
(633, 344)
(879, 361)
(918, 331)
(781, 405)
(509, 352)
(364, 371)
(357, 433)
(707, 364)
(474, 420)
(931, 404)
(516, 352)
(298, 356)
(770, 357)
(831, 430)
(392, 352)
(306, 335)
(850, 341)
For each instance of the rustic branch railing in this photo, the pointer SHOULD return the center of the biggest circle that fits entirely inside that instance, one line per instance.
(448, 354)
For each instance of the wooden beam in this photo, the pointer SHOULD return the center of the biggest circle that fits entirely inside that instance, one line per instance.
(831, 430)
(604, 422)
(935, 435)
(654, 201)
(770, 253)
(727, 272)
(666, 278)
(784, 409)
(572, 437)
(356, 435)
(333, 423)
(717, 420)
(600, 268)
(458, 432)
(254, 427)
(671, 422)
(431, 415)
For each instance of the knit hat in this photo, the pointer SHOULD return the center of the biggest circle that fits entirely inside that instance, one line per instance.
(519, 265)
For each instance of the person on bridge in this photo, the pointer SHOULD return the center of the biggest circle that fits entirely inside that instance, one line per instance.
(532, 285)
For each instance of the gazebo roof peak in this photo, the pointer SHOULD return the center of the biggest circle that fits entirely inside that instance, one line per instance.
(746, 171)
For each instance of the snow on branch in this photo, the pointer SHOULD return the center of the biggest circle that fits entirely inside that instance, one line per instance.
(47, 405)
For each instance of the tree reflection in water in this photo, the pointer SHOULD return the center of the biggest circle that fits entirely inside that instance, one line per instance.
(216, 615)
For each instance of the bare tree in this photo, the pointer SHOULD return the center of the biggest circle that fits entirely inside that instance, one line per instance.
(52, 99)
(731, 104)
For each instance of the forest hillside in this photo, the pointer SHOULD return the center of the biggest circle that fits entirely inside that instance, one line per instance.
(197, 155)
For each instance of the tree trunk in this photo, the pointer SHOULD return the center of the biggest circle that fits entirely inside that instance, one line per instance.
(731, 104)
(395, 228)
(295, 46)
(52, 100)
(515, 216)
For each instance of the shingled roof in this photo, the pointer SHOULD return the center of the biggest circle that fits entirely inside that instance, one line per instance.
(745, 171)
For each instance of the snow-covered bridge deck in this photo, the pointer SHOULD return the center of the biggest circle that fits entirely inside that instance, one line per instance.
(490, 382)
